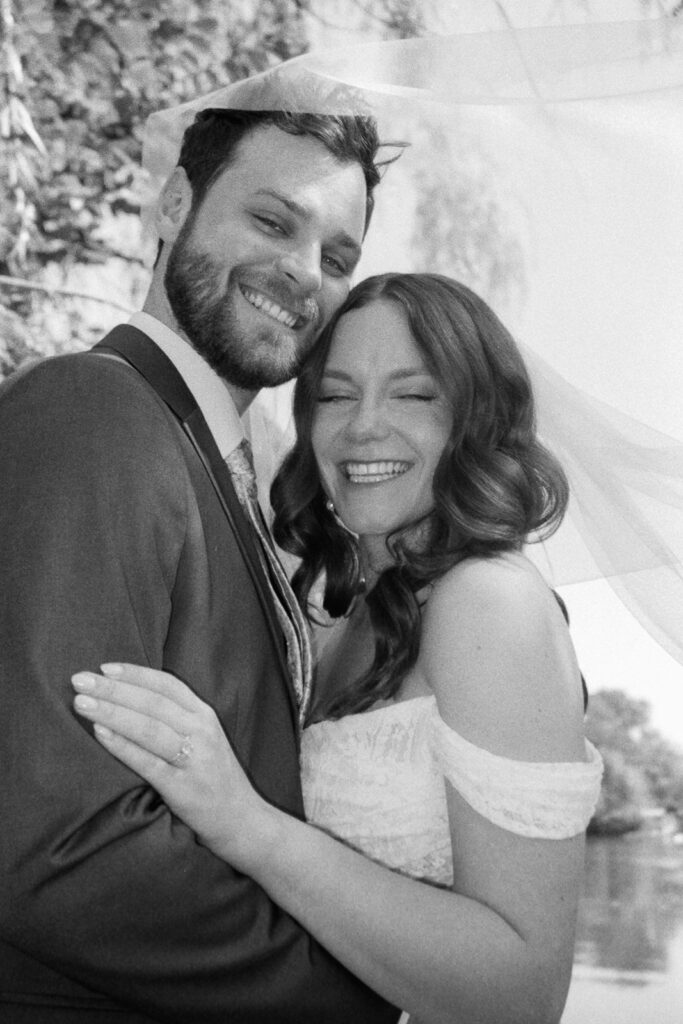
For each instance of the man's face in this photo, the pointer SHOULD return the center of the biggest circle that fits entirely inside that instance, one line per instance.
(260, 266)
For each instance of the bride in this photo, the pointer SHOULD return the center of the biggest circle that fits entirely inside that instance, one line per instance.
(447, 779)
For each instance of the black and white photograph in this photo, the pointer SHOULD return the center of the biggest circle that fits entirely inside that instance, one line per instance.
(341, 512)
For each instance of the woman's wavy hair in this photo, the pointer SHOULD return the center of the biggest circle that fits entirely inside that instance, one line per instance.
(495, 483)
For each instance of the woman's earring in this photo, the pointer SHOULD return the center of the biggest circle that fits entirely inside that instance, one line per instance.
(329, 505)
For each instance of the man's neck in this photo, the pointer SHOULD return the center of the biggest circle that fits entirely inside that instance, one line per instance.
(156, 304)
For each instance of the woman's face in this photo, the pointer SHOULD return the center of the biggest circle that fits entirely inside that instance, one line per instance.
(381, 422)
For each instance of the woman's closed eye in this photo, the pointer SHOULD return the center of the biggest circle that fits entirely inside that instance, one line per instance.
(417, 396)
(330, 398)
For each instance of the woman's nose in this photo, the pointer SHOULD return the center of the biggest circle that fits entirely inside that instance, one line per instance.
(367, 420)
(303, 267)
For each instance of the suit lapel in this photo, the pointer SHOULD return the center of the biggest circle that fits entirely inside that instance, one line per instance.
(154, 365)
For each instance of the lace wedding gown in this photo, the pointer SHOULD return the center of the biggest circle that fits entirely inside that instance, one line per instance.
(376, 780)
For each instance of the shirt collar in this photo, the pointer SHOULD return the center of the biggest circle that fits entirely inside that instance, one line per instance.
(210, 392)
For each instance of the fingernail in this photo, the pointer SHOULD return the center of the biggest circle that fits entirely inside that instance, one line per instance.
(83, 681)
(102, 731)
(112, 669)
(85, 703)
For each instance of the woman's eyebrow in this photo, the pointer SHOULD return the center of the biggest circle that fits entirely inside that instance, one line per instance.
(410, 371)
(336, 375)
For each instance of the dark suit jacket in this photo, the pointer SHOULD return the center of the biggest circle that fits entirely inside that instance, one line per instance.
(118, 541)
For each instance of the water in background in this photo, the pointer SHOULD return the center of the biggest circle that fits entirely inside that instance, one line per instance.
(629, 954)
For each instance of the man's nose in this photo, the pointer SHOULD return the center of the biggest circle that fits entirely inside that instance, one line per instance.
(303, 267)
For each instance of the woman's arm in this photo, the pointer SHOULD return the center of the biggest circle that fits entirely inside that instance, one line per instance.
(498, 950)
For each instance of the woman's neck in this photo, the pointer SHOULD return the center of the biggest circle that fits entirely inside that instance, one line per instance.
(344, 655)
(375, 558)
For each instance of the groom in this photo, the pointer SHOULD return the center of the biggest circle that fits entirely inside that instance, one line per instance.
(121, 537)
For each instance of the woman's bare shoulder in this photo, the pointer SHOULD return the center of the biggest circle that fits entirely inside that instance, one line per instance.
(505, 591)
(497, 653)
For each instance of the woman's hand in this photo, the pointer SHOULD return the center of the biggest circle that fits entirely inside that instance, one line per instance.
(157, 726)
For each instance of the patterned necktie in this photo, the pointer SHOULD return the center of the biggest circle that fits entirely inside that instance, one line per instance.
(240, 462)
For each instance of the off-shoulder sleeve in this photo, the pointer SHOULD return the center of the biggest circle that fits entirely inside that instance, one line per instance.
(536, 799)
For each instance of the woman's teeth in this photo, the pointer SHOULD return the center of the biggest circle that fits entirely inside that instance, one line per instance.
(283, 316)
(374, 472)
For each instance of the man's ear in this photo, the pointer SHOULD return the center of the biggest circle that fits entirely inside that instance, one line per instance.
(173, 206)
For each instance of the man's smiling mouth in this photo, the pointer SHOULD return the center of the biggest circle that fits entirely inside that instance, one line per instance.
(272, 309)
(374, 472)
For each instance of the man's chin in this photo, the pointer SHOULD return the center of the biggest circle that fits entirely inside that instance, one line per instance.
(258, 374)
(251, 359)
(278, 359)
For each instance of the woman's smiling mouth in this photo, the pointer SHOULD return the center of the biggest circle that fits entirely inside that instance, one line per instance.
(373, 472)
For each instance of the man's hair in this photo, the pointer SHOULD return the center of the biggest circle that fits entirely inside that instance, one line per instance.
(210, 143)
(495, 483)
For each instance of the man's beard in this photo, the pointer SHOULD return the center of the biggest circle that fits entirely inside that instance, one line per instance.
(205, 310)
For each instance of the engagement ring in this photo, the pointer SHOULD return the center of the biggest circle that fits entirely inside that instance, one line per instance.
(182, 758)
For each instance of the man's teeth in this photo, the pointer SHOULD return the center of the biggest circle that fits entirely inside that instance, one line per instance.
(283, 316)
(374, 472)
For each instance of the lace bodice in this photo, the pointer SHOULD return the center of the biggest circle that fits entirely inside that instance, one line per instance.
(376, 780)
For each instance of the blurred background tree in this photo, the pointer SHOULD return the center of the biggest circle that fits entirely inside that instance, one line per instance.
(643, 771)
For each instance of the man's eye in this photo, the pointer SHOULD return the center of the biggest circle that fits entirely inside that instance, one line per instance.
(335, 265)
(270, 224)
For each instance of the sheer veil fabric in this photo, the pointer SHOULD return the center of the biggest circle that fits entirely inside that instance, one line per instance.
(545, 170)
